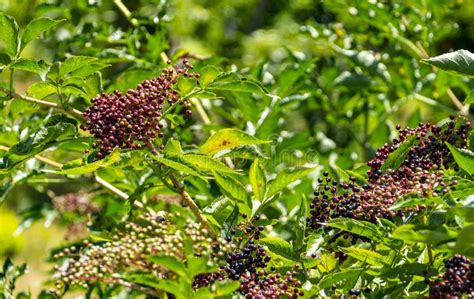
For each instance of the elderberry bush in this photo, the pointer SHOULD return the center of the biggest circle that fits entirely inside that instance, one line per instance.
(166, 149)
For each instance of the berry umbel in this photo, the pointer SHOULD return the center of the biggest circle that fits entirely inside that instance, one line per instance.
(132, 120)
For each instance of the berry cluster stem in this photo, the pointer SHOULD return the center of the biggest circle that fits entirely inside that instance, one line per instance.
(53, 105)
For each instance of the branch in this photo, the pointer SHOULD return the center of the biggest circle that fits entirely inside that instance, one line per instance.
(126, 12)
(56, 106)
(190, 202)
(97, 178)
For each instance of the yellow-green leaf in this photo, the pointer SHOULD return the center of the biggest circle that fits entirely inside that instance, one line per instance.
(228, 139)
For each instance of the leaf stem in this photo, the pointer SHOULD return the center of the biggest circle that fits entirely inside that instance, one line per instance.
(56, 106)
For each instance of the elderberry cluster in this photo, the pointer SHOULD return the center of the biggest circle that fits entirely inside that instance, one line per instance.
(249, 265)
(421, 173)
(129, 250)
(456, 282)
(132, 120)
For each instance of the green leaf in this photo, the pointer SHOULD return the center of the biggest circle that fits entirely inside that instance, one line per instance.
(411, 233)
(178, 166)
(57, 128)
(314, 244)
(231, 188)
(35, 28)
(172, 263)
(228, 139)
(411, 200)
(9, 34)
(464, 158)
(185, 85)
(287, 176)
(460, 62)
(231, 82)
(258, 180)
(153, 281)
(74, 63)
(78, 167)
(340, 277)
(465, 242)
(280, 247)
(39, 67)
(205, 163)
(464, 212)
(41, 90)
(230, 222)
(396, 158)
(208, 74)
(470, 98)
(358, 227)
(217, 289)
(300, 227)
(368, 256)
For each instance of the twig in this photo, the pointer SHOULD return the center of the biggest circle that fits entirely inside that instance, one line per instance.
(97, 178)
(126, 12)
(15, 95)
(189, 201)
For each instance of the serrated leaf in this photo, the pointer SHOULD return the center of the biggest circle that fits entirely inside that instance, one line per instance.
(208, 74)
(78, 167)
(286, 177)
(153, 281)
(217, 289)
(9, 34)
(411, 200)
(171, 263)
(41, 90)
(358, 227)
(230, 222)
(185, 85)
(340, 277)
(205, 163)
(231, 188)
(460, 62)
(464, 212)
(300, 227)
(410, 233)
(396, 158)
(231, 82)
(464, 158)
(39, 67)
(470, 98)
(314, 244)
(228, 139)
(465, 242)
(280, 248)
(74, 63)
(258, 180)
(368, 256)
(56, 129)
(35, 28)
(178, 166)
